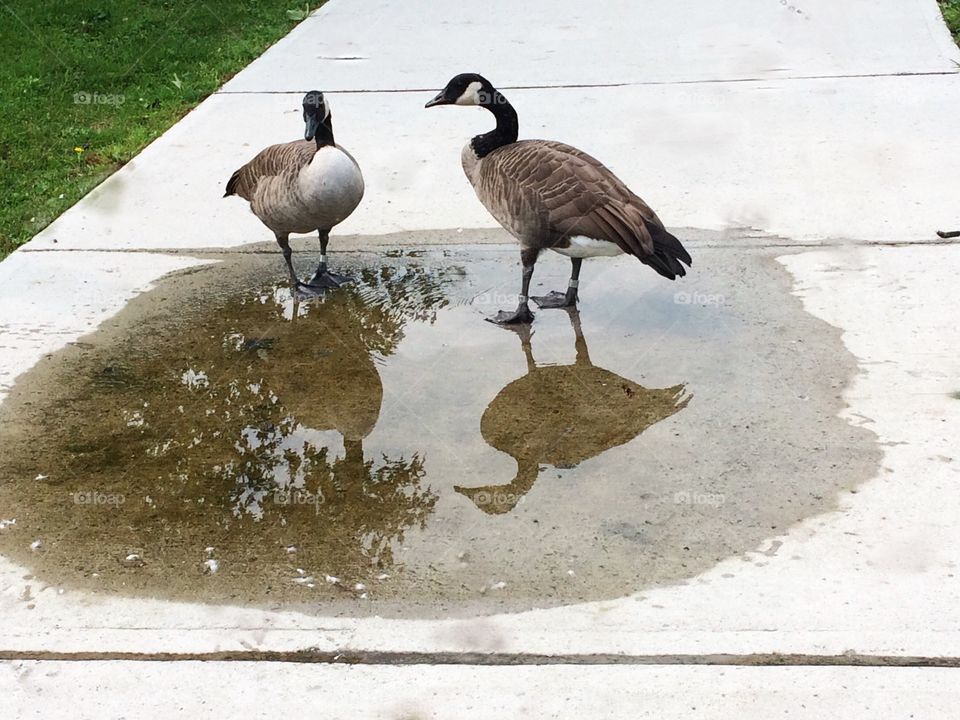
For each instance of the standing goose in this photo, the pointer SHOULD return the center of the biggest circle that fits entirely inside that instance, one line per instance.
(302, 186)
(549, 195)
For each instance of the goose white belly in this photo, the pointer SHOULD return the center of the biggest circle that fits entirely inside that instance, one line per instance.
(585, 247)
(330, 187)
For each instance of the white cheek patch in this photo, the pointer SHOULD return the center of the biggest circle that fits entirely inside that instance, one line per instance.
(471, 96)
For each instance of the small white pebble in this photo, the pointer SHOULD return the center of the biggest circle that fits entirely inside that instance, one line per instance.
(132, 557)
(210, 566)
(36, 545)
(291, 548)
(571, 573)
(363, 597)
(41, 477)
(359, 586)
(383, 576)
(500, 585)
(4, 524)
(332, 580)
(208, 550)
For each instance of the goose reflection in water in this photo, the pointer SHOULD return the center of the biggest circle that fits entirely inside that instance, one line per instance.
(561, 415)
(228, 426)
(322, 369)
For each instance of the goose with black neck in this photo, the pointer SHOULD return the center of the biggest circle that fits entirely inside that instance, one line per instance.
(551, 196)
(303, 186)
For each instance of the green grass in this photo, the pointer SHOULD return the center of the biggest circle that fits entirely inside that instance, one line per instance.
(86, 85)
(951, 13)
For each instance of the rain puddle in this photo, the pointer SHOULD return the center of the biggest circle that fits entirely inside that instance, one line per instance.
(383, 450)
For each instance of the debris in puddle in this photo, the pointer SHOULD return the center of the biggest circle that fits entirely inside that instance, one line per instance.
(209, 550)
(4, 524)
(291, 548)
(383, 576)
(304, 580)
(571, 573)
(36, 545)
(333, 580)
(132, 560)
(363, 596)
(134, 419)
(499, 586)
(195, 380)
(41, 476)
(359, 587)
(210, 566)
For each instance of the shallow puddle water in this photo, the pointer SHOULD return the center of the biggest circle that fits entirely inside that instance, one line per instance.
(384, 450)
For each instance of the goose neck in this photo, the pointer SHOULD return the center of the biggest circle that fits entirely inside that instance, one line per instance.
(506, 130)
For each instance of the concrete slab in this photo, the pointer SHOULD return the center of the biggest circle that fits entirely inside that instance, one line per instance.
(214, 690)
(444, 467)
(880, 566)
(717, 157)
(395, 45)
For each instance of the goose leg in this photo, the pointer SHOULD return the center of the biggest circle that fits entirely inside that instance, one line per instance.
(296, 287)
(528, 257)
(557, 299)
(323, 278)
(284, 242)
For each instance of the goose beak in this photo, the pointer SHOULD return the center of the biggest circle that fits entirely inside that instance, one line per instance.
(438, 100)
(312, 126)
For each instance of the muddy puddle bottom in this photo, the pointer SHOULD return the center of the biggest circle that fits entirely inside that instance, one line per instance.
(383, 450)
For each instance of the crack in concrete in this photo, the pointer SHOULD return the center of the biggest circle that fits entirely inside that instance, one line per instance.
(641, 83)
(361, 657)
(731, 245)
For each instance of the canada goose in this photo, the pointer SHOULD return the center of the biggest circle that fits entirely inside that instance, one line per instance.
(302, 186)
(549, 195)
(563, 415)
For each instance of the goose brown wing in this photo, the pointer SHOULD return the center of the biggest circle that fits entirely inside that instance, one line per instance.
(269, 162)
(566, 192)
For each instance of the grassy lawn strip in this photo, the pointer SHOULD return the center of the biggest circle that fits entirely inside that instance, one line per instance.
(86, 85)
(951, 13)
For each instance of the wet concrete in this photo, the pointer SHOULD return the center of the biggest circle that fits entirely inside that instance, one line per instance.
(383, 450)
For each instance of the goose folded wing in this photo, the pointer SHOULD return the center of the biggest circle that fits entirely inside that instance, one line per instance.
(577, 195)
(272, 161)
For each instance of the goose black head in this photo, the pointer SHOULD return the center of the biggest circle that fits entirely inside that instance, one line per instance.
(316, 115)
(473, 89)
(466, 89)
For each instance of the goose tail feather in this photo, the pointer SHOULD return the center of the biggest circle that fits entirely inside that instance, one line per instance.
(232, 184)
(669, 255)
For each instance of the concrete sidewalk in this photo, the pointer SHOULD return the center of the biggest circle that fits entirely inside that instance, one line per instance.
(818, 133)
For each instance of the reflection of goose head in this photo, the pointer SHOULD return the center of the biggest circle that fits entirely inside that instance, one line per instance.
(561, 415)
